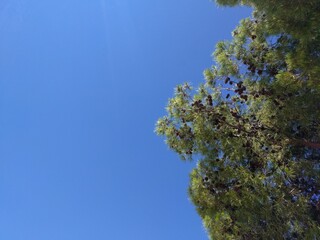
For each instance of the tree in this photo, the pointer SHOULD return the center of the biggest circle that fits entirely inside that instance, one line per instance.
(254, 126)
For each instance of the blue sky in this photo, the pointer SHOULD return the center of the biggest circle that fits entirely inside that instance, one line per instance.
(82, 84)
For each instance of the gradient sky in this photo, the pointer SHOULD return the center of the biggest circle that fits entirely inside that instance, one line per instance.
(82, 83)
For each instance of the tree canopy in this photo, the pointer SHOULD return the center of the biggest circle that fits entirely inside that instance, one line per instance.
(254, 126)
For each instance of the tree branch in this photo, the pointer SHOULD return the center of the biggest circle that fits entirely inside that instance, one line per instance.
(305, 143)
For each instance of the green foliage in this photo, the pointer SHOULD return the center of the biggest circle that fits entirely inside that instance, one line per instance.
(254, 127)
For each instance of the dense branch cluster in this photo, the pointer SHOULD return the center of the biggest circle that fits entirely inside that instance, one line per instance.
(254, 128)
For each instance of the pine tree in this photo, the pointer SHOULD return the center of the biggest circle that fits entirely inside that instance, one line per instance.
(254, 126)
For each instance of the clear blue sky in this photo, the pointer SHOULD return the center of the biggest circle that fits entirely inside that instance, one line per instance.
(82, 83)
